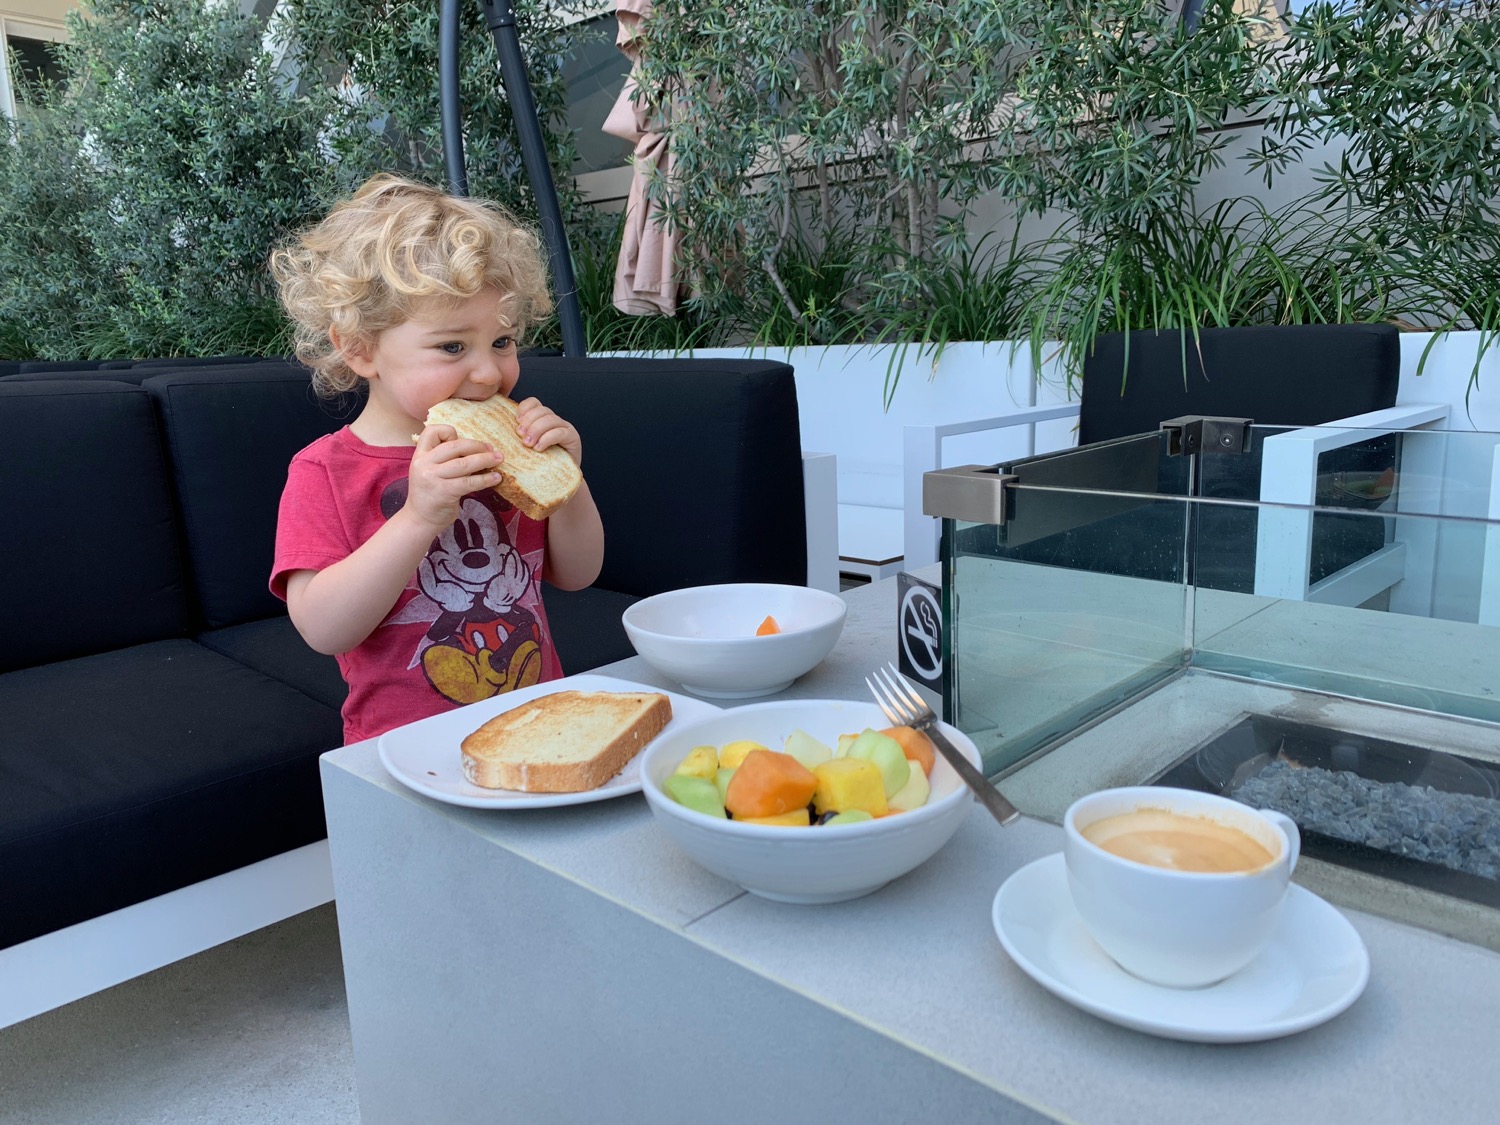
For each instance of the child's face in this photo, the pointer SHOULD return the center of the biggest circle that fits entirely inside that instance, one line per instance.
(445, 351)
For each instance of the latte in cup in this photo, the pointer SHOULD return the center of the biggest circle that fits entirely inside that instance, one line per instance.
(1178, 842)
(1179, 888)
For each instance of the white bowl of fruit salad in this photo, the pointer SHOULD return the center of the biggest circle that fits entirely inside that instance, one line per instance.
(738, 639)
(805, 800)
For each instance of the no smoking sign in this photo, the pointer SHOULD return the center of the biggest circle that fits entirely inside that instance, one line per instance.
(919, 625)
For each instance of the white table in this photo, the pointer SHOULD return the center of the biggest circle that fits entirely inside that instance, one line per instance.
(556, 966)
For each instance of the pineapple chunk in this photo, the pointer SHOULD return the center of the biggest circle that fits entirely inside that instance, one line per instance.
(702, 761)
(733, 753)
(796, 818)
(849, 783)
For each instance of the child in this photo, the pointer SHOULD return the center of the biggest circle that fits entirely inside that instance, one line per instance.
(393, 552)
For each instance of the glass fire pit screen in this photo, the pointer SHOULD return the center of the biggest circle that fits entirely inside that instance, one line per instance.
(1359, 562)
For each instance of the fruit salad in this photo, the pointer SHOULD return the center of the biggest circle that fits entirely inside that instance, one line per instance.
(871, 774)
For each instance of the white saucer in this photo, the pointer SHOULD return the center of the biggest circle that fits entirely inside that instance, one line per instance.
(1314, 967)
(425, 756)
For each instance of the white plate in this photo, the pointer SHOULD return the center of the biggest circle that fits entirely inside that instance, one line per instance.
(1314, 967)
(425, 755)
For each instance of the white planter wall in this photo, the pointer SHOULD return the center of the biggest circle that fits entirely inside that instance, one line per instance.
(1448, 376)
(841, 391)
(845, 408)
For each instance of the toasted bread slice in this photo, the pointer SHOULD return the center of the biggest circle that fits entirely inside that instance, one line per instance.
(566, 742)
(538, 483)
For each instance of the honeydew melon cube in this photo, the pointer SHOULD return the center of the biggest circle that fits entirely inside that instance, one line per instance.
(807, 749)
(849, 783)
(914, 794)
(696, 793)
(845, 741)
(721, 779)
(732, 754)
(849, 816)
(701, 761)
(796, 818)
(887, 755)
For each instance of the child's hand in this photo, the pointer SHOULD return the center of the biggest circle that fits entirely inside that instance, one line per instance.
(542, 429)
(444, 469)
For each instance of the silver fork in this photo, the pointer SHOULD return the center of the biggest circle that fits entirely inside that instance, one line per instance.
(904, 707)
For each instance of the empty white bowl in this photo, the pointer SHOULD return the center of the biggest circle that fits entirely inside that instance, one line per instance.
(824, 863)
(704, 637)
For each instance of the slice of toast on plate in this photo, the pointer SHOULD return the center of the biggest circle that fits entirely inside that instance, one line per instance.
(565, 742)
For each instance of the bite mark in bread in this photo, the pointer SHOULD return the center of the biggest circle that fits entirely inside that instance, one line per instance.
(565, 742)
(536, 482)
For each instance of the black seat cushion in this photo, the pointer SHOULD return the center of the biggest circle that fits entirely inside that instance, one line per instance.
(1278, 375)
(729, 422)
(586, 626)
(274, 648)
(106, 802)
(231, 432)
(91, 545)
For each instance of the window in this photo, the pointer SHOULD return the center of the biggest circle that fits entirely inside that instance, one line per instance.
(594, 73)
(28, 57)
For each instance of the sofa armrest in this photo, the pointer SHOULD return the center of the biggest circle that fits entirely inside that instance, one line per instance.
(923, 452)
(820, 497)
(1288, 487)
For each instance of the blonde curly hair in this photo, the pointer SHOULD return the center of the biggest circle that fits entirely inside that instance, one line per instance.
(387, 251)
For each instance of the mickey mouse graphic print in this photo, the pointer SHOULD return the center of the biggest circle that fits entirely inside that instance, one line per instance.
(470, 623)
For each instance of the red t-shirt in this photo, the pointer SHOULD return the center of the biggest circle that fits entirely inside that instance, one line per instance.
(470, 623)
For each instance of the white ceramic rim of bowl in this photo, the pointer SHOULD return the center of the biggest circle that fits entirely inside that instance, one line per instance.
(838, 607)
(786, 831)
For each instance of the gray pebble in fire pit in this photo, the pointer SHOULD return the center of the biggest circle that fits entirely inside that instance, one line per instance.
(1456, 830)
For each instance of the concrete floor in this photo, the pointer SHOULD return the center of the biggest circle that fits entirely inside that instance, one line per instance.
(253, 1031)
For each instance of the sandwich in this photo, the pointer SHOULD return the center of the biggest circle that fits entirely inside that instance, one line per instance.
(538, 483)
(566, 742)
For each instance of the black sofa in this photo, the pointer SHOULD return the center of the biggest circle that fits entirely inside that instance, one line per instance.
(163, 719)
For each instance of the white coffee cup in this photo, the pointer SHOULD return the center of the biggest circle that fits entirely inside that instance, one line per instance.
(1180, 928)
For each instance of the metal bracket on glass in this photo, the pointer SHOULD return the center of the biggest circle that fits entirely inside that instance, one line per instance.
(973, 493)
(1196, 433)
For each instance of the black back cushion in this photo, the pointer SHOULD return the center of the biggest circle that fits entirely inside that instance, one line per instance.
(695, 464)
(90, 543)
(231, 431)
(1280, 375)
(137, 371)
(44, 365)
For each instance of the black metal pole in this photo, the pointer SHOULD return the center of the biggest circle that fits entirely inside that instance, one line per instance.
(449, 69)
(501, 19)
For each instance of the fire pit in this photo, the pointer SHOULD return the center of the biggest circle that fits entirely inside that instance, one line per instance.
(1424, 817)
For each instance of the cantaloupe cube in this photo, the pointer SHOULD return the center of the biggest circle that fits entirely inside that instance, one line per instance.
(769, 783)
(849, 783)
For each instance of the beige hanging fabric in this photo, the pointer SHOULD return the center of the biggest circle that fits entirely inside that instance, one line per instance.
(646, 280)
